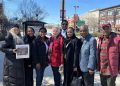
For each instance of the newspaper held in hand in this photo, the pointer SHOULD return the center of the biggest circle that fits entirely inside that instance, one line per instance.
(22, 51)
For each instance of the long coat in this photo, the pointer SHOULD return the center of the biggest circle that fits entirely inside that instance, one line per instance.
(29, 40)
(29, 61)
(13, 72)
(71, 50)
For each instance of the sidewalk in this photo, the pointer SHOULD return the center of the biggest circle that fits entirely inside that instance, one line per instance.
(48, 79)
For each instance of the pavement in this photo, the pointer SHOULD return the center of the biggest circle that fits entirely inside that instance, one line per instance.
(48, 80)
(48, 76)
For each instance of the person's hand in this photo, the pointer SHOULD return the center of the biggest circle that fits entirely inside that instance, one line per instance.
(50, 50)
(75, 69)
(14, 50)
(49, 57)
(38, 66)
(61, 68)
(119, 71)
(29, 65)
(91, 72)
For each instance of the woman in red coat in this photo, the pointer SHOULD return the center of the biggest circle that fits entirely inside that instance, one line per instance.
(56, 55)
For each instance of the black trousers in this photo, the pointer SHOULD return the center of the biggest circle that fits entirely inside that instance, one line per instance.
(107, 80)
(57, 76)
(88, 79)
(68, 75)
(28, 76)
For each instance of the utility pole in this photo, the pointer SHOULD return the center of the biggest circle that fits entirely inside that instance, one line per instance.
(62, 10)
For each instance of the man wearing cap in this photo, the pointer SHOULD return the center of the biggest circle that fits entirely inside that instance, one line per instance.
(108, 56)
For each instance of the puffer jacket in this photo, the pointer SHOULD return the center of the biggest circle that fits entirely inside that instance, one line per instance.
(113, 53)
(56, 55)
(13, 72)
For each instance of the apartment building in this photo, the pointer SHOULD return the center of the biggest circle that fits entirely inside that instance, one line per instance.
(91, 18)
(110, 15)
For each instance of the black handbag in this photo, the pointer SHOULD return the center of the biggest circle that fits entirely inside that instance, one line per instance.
(77, 81)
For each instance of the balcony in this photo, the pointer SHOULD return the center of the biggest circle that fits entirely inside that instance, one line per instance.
(117, 16)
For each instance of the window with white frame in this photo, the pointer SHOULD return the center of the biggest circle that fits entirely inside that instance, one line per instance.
(117, 21)
(110, 13)
(102, 14)
(118, 12)
(110, 21)
(102, 22)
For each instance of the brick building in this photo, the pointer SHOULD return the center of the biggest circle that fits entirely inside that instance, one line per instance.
(110, 15)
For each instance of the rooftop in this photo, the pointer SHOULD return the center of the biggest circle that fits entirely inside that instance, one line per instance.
(110, 7)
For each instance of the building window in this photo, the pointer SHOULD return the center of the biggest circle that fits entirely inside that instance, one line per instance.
(110, 13)
(118, 12)
(110, 21)
(102, 22)
(102, 14)
(118, 29)
(117, 21)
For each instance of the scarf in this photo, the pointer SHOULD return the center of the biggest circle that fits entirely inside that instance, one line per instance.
(17, 39)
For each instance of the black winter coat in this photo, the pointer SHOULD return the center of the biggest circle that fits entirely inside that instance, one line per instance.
(29, 40)
(40, 54)
(13, 72)
(71, 50)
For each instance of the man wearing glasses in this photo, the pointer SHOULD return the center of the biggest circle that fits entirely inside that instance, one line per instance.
(108, 56)
(64, 25)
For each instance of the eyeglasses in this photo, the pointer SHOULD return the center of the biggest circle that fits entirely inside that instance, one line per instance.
(64, 24)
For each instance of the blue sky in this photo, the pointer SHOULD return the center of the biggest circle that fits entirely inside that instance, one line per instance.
(52, 7)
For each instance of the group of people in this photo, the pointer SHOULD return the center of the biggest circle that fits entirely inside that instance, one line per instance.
(78, 56)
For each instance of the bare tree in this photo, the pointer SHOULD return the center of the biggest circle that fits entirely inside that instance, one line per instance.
(29, 10)
(92, 22)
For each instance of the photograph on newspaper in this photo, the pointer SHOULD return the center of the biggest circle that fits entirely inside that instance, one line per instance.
(22, 51)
